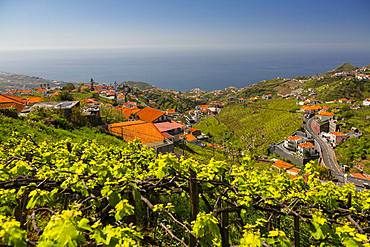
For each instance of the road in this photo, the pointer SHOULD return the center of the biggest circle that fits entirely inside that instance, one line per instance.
(328, 157)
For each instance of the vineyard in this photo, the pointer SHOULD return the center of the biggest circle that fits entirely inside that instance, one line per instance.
(68, 193)
(255, 126)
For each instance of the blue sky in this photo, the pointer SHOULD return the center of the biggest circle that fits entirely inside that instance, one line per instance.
(198, 24)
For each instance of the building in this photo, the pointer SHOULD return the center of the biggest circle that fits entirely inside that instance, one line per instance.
(8, 102)
(147, 133)
(282, 165)
(366, 102)
(292, 142)
(320, 126)
(335, 138)
(171, 130)
(149, 114)
(325, 115)
(307, 149)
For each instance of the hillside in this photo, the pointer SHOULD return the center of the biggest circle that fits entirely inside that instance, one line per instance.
(346, 67)
(11, 81)
(139, 85)
(253, 127)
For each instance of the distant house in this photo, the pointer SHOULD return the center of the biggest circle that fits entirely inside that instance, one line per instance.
(325, 115)
(190, 138)
(267, 96)
(294, 171)
(320, 126)
(335, 138)
(195, 132)
(311, 109)
(292, 142)
(147, 133)
(172, 130)
(282, 165)
(153, 115)
(362, 176)
(307, 149)
(11, 102)
(366, 102)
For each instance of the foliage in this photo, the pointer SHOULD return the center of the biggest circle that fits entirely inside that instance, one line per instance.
(69, 193)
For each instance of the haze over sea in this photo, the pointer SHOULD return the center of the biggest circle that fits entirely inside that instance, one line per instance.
(175, 69)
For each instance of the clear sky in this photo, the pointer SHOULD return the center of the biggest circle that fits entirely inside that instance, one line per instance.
(220, 24)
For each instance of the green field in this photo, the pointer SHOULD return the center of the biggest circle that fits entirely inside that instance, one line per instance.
(255, 126)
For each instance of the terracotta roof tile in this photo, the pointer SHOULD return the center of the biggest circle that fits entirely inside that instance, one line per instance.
(282, 164)
(150, 114)
(141, 130)
(294, 138)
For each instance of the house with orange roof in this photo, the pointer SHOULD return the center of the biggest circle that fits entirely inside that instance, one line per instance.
(362, 176)
(311, 109)
(147, 133)
(366, 102)
(335, 138)
(128, 113)
(291, 143)
(172, 130)
(282, 165)
(11, 102)
(190, 138)
(325, 115)
(294, 171)
(153, 115)
(307, 149)
(33, 100)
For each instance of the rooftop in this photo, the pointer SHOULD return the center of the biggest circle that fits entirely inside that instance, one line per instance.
(149, 114)
(137, 130)
(282, 165)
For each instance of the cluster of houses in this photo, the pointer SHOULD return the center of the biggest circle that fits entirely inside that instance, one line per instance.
(302, 145)
(154, 128)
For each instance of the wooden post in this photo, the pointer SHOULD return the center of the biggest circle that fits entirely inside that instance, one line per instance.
(296, 231)
(194, 203)
(224, 231)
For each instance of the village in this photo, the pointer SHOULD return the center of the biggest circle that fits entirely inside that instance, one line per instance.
(132, 113)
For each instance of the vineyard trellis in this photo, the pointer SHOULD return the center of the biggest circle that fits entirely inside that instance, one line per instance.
(82, 194)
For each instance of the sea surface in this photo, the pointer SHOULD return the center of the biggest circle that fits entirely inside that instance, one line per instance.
(176, 69)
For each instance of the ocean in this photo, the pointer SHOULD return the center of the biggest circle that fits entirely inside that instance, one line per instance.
(175, 69)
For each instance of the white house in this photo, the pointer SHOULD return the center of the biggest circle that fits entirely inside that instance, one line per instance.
(366, 102)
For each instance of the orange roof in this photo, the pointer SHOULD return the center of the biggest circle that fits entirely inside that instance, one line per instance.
(190, 138)
(282, 164)
(361, 176)
(149, 114)
(294, 138)
(306, 145)
(337, 133)
(311, 108)
(7, 101)
(293, 171)
(5, 98)
(326, 114)
(32, 100)
(140, 130)
(169, 111)
(192, 129)
(127, 112)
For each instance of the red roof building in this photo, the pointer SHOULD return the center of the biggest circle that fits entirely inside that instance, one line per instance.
(149, 114)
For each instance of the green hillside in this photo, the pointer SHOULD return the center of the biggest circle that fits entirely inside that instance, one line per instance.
(253, 127)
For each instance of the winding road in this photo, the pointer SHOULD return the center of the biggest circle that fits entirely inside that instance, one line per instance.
(328, 157)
